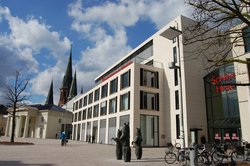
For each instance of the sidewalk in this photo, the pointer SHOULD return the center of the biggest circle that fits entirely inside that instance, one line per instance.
(49, 152)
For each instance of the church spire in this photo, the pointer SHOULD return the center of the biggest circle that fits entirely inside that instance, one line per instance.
(67, 79)
(66, 83)
(73, 88)
(50, 100)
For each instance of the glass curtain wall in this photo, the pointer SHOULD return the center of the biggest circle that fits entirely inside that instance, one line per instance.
(222, 105)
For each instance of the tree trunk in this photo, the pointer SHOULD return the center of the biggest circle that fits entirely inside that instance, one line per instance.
(13, 124)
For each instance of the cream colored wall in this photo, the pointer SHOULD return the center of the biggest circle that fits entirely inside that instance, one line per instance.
(41, 124)
(242, 76)
(192, 72)
(54, 125)
(108, 116)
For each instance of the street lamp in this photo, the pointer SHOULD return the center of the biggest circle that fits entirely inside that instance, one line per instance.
(172, 33)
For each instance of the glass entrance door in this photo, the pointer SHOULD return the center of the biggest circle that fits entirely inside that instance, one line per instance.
(149, 130)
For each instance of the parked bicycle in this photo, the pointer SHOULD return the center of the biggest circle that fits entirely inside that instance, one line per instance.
(241, 154)
(181, 155)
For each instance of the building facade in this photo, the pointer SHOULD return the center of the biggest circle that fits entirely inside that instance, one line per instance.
(39, 121)
(158, 88)
(3, 119)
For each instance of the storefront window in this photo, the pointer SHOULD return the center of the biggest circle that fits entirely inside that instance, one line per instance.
(222, 103)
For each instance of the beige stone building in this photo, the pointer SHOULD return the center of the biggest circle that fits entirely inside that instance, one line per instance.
(40, 121)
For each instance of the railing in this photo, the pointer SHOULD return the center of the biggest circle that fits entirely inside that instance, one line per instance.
(149, 62)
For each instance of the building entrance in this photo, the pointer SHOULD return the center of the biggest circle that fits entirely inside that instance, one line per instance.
(222, 104)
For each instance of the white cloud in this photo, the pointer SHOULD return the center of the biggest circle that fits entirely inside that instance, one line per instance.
(22, 45)
(105, 26)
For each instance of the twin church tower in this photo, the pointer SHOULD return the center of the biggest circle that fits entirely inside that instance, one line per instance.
(68, 89)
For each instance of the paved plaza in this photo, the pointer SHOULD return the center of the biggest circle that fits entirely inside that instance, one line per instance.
(49, 152)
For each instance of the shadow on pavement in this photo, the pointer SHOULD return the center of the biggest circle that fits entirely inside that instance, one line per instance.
(18, 163)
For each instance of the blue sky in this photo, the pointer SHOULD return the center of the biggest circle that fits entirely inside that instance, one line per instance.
(35, 35)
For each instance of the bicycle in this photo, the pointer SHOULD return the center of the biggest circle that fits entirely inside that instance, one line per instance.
(182, 155)
(241, 154)
(203, 156)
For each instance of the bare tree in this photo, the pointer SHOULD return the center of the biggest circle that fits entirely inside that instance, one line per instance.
(15, 96)
(214, 28)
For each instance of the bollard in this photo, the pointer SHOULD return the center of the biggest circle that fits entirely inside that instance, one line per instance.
(192, 153)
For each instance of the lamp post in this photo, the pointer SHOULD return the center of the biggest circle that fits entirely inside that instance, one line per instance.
(172, 33)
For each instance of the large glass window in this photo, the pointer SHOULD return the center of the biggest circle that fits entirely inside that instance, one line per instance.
(102, 134)
(84, 114)
(80, 103)
(149, 101)
(113, 105)
(112, 130)
(77, 105)
(96, 110)
(113, 86)
(221, 101)
(177, 104)
(149, 78)
(89, 112)
(178, 131)
(104, 108)
(149, 130)
(125, 101)
(125, 80)
(124, 119)
(97, 94)
(174, 55)
(90, 98)
(79, 116)
(176, 77)
(75, 117)
(246, 38)
(104, 90)
(85, 101)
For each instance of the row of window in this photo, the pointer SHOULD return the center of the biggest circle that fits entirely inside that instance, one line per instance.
(147, 78)
(89, 113)
(88, 99)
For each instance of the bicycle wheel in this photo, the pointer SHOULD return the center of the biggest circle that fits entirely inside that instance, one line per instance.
(237, 157)
(170, 157)
(217, 157)
(202, 159)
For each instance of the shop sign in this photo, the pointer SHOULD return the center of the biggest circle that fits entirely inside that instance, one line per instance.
(234, 137)
(227, 137)
(217, 136)
(220, 80)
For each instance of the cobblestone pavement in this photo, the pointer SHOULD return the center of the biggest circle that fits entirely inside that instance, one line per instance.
(49, 152)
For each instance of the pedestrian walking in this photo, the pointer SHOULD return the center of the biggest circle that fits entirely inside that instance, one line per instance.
(63, 138)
